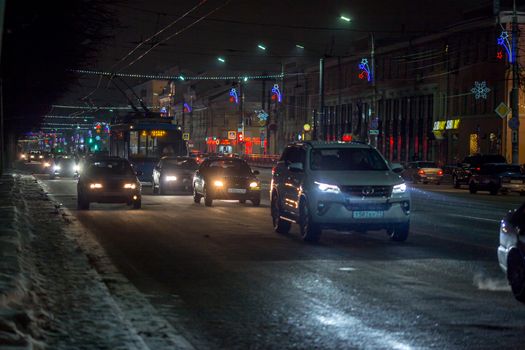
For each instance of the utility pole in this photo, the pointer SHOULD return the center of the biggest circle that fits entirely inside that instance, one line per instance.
(515, 89)
(241, 116)
(320, 114)
(3, 152)
(374, 96)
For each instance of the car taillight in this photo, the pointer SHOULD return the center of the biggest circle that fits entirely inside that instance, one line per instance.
(477, 169)
(440, 172)
(421, 172)
(273, 170)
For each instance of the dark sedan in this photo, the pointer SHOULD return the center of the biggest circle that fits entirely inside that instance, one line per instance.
(174, 173)
(110, 180)
(498, 177)
(63, 167)
(226, 178)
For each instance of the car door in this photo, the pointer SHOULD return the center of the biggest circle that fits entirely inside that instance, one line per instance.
(293, 180)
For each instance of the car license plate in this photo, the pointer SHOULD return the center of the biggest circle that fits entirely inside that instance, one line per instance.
(369, 214)
(516, 181)
(236, 190)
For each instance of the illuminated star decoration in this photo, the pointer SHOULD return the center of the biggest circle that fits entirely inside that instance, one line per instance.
(480, 90)
(276, 93)
(499, 55)
(503, 40)
(233, 96)
(365, 70)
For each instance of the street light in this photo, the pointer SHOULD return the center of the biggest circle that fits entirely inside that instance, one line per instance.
(299, 46)
(262, 47)
(220, 59)
(344, 18)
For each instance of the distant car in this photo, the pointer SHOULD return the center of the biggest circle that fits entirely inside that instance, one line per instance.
(498, 177)
(226, 178)
(463, 171)
(63, 167)
(424, 172)
(34, 156)
(174, 173)
(511, 250)
(108, 180)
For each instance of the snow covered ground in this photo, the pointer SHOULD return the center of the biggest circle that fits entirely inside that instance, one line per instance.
(58, 289)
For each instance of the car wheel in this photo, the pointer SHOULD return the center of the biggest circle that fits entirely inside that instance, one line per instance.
(256, 202)
(154, 188)
(494, 189)
(279, 225)
(399, 232)
(137, 204)
(456, 182)
(310, 232)
(82, 204)
(242, 201)
(208, 201)
(516, 274)
(472, 188)
(196, 197)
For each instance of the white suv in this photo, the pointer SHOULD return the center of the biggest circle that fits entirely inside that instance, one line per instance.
(343, 186)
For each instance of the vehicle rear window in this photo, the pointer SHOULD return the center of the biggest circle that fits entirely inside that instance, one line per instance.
(363, 159)
(427, 165)
(109, 168)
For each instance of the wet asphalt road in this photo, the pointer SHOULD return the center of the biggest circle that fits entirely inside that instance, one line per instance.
(231, 282)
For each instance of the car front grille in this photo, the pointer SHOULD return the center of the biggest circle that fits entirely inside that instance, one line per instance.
(236, 181)
(367, 191)
(357, 206)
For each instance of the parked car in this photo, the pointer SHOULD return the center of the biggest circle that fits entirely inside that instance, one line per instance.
(344, 186)
(108, 180)
(174, 173)
(226, 178)
(498, 177)
(463, 171)
(424, 172)
(511, 250)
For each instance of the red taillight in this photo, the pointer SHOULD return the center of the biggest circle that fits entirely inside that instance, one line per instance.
(440, 172)
(421, 172)
(478, 169)
(273, 170)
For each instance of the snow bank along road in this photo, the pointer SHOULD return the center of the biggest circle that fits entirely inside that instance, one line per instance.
(51, 296)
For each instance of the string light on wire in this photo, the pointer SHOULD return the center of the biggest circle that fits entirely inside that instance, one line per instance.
(234, 98)
(503, 40)
(365, 70)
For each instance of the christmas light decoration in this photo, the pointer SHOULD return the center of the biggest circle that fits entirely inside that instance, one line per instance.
(503, 40)
(187, 108)
(178, 77)
(234, 98)
(480, 90)
(276, 93)
(365, 70)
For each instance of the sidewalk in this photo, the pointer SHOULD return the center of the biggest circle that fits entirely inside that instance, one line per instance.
(50, 294)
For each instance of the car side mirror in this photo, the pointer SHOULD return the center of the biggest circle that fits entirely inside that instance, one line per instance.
(138, 173)
(296, 167)
(397, 168)
(256, 172)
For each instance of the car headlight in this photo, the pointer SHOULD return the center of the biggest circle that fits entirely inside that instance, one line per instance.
(41, 157)
(503, 227)
(218, 183)
(96, 185)
(76, 168)
(57, 167)
(254, 184)
(328, 188)
(401, 188)
(171, 178)
(23, 156)
(47, 165)
(130, 186)
(32, 156)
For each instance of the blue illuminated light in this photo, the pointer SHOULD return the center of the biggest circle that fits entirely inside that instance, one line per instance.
(187, 108)
(233, 95)
(503, 40)
(277, 93)
(365, 70)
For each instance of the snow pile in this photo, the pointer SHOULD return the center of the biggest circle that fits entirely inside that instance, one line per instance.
(51, 296)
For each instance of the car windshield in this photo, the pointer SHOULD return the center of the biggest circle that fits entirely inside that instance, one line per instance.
(427, 165)
(347, 159)
(181, 164)
(109, 168)
(229, 166)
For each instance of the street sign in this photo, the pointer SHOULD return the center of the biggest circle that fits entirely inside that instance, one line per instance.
(374, 124)
(514, 123)
(502, 110)
(374, 132)
(186, 136)
(232, 135)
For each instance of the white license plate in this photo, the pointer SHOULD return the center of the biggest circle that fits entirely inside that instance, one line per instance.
(369, 214)
(516, 181)
(236, 190)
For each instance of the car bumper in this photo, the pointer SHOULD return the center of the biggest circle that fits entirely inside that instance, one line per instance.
(113, 197)
(224, 194)
(431, 178)
(178, 184)
(372, 214)
(513, 187)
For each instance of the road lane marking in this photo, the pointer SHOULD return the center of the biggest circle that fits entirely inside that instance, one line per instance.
(472, 217)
